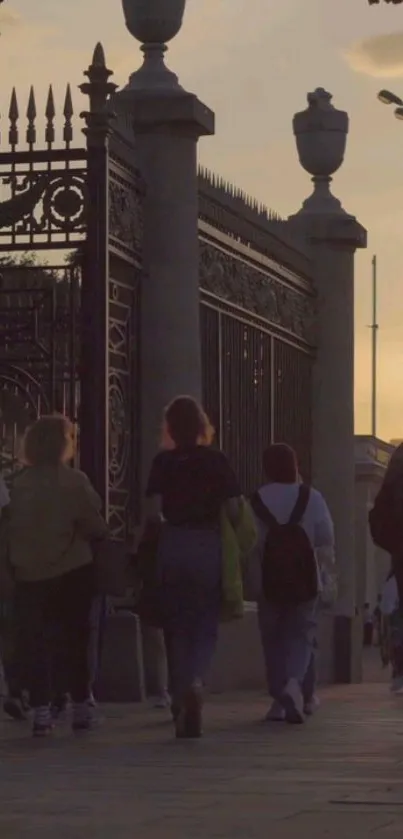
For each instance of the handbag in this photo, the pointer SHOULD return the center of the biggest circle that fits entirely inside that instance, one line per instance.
(236, 544)
(111, 563)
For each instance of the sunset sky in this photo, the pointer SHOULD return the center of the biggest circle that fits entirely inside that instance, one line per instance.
(253, 61)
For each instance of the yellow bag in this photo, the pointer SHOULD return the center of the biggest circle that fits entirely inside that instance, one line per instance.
(236, 544)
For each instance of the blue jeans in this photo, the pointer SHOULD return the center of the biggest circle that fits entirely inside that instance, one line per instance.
(288, 637)
(190, 597)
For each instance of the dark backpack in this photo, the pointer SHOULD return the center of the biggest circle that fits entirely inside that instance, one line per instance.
(385, 525)
(289, 569)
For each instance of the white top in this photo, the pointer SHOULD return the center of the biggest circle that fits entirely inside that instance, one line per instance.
(317, 522)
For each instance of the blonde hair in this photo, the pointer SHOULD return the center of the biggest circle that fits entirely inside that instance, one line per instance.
(185, 423)
(48, 441)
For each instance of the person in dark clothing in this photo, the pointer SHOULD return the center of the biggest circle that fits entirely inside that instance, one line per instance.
(392, 491)
(393, 483)
(189, 483)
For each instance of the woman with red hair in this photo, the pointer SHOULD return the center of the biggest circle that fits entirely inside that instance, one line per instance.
(191, 482)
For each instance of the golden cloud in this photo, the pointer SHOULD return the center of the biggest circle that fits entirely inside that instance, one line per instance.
(379, 56)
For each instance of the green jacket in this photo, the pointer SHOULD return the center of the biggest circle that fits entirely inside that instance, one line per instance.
(236, 543)
(53, 515)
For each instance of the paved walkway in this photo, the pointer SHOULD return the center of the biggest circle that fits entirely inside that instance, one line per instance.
(341, 775)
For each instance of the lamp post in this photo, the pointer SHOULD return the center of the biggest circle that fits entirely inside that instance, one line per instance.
(389, 98)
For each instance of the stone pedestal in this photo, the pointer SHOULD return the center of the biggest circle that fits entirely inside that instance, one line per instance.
(334, 240)
(333, 235)
(167, 128)
(167, 123)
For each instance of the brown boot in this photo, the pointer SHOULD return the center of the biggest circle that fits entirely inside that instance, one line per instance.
(188, 723)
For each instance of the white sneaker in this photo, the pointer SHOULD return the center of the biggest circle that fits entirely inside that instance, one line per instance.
(293, 702)
(276, 713)
(312, 706)
(163, 701)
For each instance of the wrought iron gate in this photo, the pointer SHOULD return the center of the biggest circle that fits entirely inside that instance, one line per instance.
(43, 212)
(39, 350)
(69, 333)
(257, 390)
(258, 336)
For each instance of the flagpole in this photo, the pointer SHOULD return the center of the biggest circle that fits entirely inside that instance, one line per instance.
(374, 329)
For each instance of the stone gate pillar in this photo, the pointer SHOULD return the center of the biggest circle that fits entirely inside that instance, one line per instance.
(321, 133)
(167, 123)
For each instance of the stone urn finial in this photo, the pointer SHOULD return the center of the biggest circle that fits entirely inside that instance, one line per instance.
(154, 23)
(321, 134)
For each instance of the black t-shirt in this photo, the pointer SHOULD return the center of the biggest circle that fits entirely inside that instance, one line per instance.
(193, 484)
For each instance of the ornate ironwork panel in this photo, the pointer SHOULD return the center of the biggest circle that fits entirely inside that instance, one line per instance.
(44, 189)
(258, 332)
(39, 349)
(43, 207)
(258, 291)
(292, 371)
(125, 190)
(125, 211)
(124, 403)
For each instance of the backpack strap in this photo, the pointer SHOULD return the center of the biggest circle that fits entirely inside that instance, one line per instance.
(262, 512)
(300, 505)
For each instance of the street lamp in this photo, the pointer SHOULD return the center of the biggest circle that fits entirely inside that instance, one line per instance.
(389, 98)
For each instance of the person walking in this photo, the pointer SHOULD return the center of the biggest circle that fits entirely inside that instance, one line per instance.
(53, 517)
(189, 483)
(386, 526)
(293, 521)
(391, 634)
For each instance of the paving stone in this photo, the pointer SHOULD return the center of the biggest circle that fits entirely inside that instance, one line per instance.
(341, 773)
